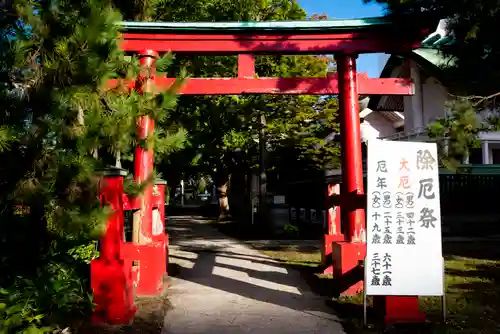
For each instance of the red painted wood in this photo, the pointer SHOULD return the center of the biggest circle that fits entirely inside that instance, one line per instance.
(144, 157)
(152, 263)
(332, 228)
(110, 274)
(289, 86)
(246, 66)
(151, 253)
(143, 171)
(352, 163)
(348, 273)
(402, 309)
(352, 43)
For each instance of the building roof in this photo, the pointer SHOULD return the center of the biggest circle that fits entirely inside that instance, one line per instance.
(428, 56)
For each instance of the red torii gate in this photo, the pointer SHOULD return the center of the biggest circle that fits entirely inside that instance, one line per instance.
(343, 38)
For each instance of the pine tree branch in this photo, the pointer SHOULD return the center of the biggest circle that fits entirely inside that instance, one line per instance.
(477, 99)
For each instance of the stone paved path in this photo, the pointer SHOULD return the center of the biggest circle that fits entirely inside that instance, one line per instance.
(223, 286)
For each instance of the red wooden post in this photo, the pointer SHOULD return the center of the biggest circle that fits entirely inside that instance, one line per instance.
(144, 154)
(347, 255)
(332, 228)
(352, 162)
(150, 250)
(110, 274)
(143, 168)
(401, 309)
(246, 66)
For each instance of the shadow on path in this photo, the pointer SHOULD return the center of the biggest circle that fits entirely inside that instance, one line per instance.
(221, 285)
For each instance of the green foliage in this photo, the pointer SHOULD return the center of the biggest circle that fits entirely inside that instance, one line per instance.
(224, 130)
(209, 10)
(457, 133)
(5, 138)
(60, 124)
(202, 185)
(291, 228)
(84, 253)
(27, 305)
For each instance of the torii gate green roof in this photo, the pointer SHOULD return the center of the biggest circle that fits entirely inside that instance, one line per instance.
(322, 26)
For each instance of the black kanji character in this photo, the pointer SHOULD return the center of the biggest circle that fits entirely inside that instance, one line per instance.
(425, 160)
(387, 199)
(376, 200)
(387, 281)
(382, 166)
(387, 257)
(399, 201)
(410, 204)
(400, 218)
(381, 182)
(426, 187)
(426, 218)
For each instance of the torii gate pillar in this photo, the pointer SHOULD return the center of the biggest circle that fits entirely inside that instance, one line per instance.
(348, 254)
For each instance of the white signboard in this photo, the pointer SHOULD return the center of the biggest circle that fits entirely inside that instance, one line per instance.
(404, 250)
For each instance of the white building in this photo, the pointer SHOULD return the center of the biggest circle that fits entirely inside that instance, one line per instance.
(406, 117)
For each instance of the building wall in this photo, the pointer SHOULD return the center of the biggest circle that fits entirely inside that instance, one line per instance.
(427, 104)
(374, 126)
(434, 98)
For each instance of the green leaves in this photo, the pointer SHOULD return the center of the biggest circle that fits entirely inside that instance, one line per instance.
(24, 305)
(457, 133)
(222, 127)
(164, 63)
(6, 137)
(59, 124)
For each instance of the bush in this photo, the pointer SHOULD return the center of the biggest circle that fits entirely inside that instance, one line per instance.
(58, 294)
